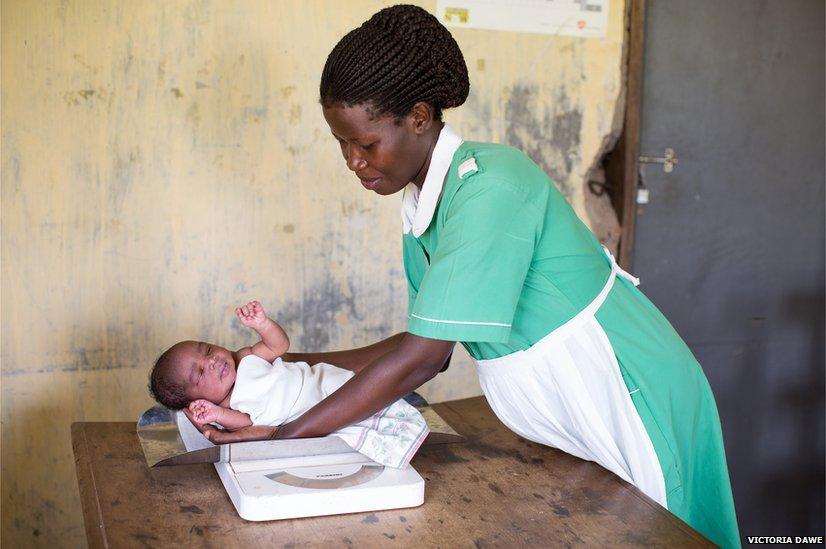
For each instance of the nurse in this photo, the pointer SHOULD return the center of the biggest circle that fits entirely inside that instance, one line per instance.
(569, 352)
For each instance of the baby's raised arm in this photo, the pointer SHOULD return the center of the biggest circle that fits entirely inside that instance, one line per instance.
(274, 341)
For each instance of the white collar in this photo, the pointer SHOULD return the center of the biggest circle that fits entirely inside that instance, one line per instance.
(418, 206)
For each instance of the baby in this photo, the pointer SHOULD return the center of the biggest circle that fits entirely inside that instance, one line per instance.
(254, 386)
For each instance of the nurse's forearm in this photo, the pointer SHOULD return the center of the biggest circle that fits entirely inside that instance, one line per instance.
(352, 359)
(414, 361)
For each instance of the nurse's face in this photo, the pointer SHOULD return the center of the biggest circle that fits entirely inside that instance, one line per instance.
(385, 153)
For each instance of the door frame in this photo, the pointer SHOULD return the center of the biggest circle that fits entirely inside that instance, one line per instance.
(622, 163)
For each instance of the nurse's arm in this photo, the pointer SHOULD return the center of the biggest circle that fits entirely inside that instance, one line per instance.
(413, 362)
(392, 375)
(352, 359)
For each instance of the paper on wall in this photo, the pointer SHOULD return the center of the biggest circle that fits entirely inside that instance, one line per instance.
(583, 18)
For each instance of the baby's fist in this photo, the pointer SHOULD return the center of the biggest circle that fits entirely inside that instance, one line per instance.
(252, 315)
(204, 411)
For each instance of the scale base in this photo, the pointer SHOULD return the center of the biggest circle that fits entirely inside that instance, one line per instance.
(284, 479)
(321, 490)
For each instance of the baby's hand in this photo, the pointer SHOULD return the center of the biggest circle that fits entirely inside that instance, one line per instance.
(204, 411)
(252, 315)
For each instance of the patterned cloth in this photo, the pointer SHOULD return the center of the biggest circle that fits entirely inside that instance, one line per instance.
(390, 437)
(276, 393)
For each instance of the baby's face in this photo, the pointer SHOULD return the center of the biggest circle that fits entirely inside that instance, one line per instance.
(205, 370)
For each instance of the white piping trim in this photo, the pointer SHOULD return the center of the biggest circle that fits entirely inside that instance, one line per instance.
(637, 390)
(461, 322)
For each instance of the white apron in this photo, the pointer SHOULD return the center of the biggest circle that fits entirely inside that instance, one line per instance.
(566, 391)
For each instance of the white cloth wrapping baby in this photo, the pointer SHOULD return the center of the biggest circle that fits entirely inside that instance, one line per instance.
(276, 393)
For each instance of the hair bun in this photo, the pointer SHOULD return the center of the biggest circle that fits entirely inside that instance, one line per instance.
(400, 56)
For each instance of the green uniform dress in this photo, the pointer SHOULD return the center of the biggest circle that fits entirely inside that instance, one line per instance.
(496, 259)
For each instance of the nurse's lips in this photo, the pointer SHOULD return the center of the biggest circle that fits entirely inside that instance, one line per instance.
(370, 183)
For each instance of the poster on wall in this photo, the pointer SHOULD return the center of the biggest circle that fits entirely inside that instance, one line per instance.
(583, 18)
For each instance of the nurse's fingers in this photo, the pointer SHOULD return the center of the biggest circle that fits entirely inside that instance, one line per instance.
(254, 432)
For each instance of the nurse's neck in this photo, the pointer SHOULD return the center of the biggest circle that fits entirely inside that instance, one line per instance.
(428, 140)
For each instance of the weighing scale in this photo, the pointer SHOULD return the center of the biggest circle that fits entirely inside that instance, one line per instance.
(291, 478)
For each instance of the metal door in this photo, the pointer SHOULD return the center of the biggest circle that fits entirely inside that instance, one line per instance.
(730, 245)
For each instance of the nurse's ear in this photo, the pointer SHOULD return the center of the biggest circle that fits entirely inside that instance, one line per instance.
(421, 117)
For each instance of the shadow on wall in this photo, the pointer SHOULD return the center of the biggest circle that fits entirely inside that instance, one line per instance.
(103, 378)
(47, 458)
(798, 489)
(771, 406)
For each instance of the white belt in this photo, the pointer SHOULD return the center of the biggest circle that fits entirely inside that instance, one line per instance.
(619, 270)
(594, 306)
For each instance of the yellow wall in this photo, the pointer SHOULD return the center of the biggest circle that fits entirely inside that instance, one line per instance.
(164, 161)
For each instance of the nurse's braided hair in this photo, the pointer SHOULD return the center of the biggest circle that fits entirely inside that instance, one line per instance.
(400, 56)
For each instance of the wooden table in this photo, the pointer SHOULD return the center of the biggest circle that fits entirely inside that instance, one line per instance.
(496, 489)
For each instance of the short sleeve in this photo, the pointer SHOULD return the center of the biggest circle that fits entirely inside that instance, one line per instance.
(472, 286)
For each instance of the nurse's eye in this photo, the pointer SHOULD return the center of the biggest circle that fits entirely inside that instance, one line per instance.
(368, 146)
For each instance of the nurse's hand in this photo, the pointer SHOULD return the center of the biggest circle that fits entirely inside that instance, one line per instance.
(245, 434)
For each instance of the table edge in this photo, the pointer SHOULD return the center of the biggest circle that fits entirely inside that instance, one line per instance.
(95, 529)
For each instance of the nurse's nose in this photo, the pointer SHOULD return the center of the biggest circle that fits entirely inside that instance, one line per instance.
(355, 161)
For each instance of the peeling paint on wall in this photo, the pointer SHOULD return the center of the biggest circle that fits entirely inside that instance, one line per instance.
(550, 136)
(163, 163)
(316, 313)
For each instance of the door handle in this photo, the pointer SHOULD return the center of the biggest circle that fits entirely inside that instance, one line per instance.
(668, 161)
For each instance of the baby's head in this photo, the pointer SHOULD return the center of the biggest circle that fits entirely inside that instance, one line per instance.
(190, 370)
